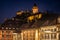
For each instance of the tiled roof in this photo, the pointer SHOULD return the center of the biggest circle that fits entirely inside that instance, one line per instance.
(47, 19)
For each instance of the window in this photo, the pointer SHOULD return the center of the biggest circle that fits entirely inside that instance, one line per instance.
(2, 27)
(13, 28)
(47, 36)
(53, 35)
(42, 30)
(9, 28)
(58, 19)
(59, 36)
(36, 16)
(12, 18)
(43, 36)
(17, 28)
(55, 29)
(51, 29)
(7, 36)
(30, 34)
(6, 28)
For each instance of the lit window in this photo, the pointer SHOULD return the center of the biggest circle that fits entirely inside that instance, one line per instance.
(6, 28)
(47, 36)
(13, 28)
(17, 19)
(55, 29)
(12, 18)
(2, 27)
(9, 28)
(53, 36)
(17, 28)
(51, 29)
(58, 19)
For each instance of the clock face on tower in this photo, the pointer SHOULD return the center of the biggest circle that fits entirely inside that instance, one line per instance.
(58, 19)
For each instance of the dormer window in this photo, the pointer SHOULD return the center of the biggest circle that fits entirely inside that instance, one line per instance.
(19, 12)
(2, 27)
(13, 28)
(9, 28)
(6, 28)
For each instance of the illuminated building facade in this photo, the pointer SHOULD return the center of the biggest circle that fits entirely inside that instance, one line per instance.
(50, 32)
(43, 33)
(31, 25)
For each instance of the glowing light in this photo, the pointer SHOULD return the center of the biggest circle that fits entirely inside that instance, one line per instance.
(59, 20)
(35, 9)
(36, 35)
(47, 31)
(31, 18)
(40, 15)
(14, 36)
(19, 12)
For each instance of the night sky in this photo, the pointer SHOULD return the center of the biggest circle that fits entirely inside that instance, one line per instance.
(8, 8)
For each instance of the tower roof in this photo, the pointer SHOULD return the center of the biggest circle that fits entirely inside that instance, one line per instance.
(35, 4)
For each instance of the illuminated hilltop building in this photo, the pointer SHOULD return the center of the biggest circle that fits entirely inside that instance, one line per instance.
(35, 9)
(31, 25)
